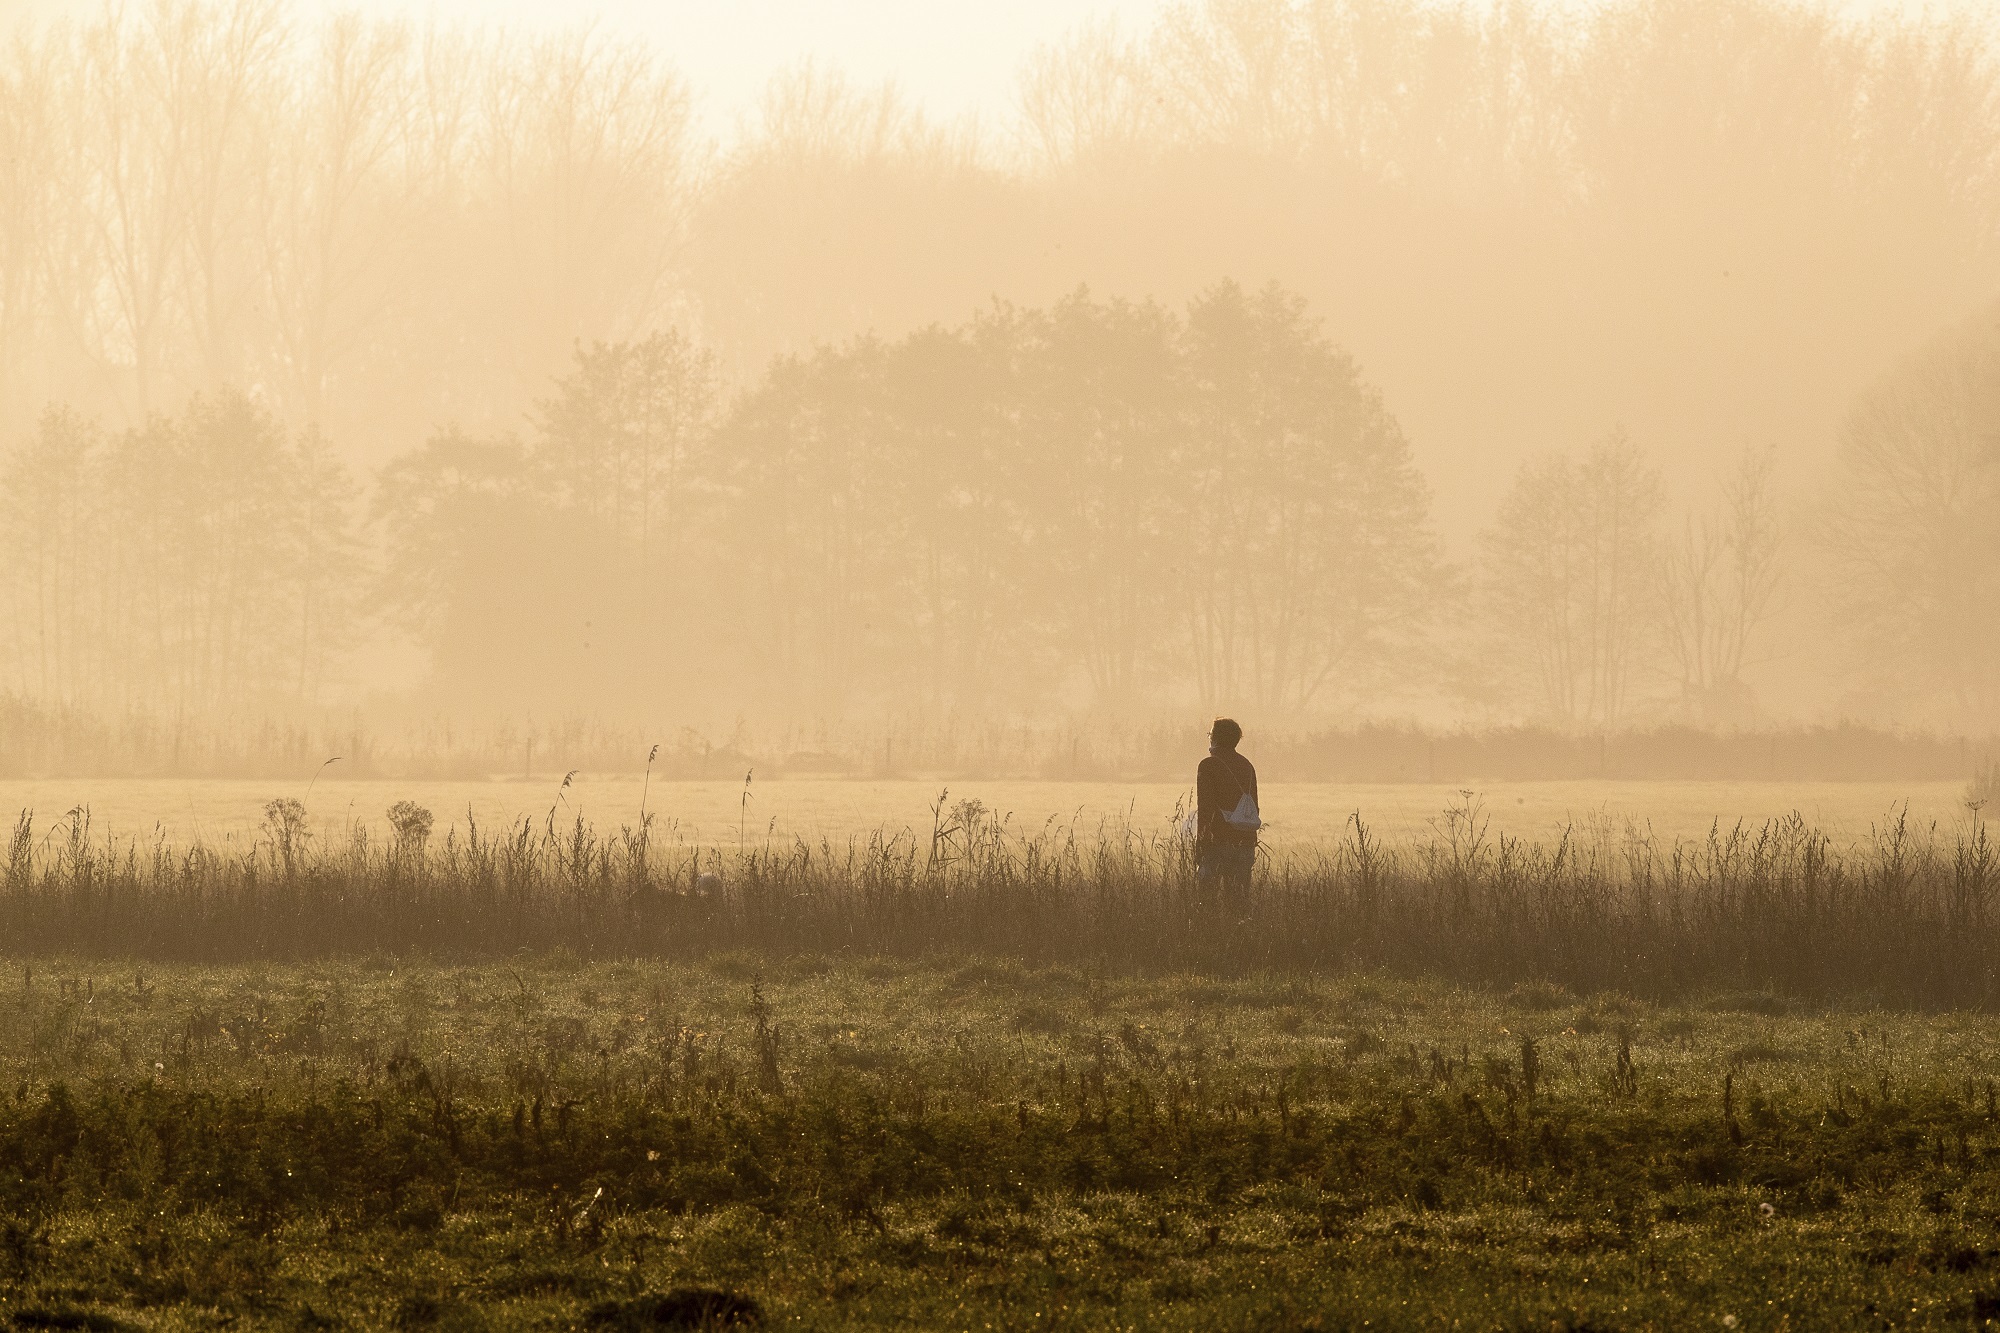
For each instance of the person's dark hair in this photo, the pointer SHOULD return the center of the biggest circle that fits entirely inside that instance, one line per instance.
(1225, 733)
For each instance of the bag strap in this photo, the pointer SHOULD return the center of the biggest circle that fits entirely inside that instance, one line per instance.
(1241, 790)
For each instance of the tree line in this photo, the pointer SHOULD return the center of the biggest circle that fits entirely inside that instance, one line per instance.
(1097, 506)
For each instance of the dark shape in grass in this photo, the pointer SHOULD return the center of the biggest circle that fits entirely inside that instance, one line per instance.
(66, 1317)
(431, 1312)
(1958, 1259)
(683, 1307)
(1751, 1002)
(1043, 1018)
(1540, 996)
(418, 1312)
(538, 1282)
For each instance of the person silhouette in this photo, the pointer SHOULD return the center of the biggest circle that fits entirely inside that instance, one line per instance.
(1226, 813)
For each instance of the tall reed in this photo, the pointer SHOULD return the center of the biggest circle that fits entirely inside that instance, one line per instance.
(1903, 915)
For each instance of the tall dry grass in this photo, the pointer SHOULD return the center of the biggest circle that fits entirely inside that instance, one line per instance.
(1904, 915)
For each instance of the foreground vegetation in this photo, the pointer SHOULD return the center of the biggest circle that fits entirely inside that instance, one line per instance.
(1904, 916)
(978, 1079)
(971, 1144)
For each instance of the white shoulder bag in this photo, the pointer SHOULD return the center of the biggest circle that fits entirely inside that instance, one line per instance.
(1244, 818)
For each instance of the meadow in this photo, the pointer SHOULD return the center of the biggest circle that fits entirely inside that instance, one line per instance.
(826, 1142)
(970, 1074)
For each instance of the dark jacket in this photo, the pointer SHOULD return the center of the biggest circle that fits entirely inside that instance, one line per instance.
(1219, 784)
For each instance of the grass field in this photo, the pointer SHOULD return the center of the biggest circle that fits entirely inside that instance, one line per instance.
(974, 1144)
(998, 1075)
(713, 814)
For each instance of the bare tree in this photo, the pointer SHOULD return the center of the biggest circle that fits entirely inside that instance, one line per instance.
(1718, 580)
(153, 264)
(127, 149)
(894, 199)
(1230, 72)
(1913, 529)
(221, 67)
(1088, 98)
(583, 171)
(28, 200)
(333, 225)
(1568, 570)
(50, 531)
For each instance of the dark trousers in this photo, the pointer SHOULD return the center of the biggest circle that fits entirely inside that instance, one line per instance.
(1225, 866)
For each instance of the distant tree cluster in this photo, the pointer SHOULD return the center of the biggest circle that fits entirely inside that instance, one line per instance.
(1100, 503)
(1892, 572)
(205, 560)
(576, 569)
(1599, 613)
(1913, 528)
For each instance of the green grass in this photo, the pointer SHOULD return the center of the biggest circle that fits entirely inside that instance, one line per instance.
(972, 1143)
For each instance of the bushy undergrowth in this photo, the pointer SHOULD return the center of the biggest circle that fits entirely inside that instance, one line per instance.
(1905, 915)
(874, 1142)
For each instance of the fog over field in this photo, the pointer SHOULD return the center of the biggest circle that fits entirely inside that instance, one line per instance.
(1586, 367)
(943, 664)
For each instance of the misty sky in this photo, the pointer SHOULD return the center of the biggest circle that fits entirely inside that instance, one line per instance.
(1611, 363)
(952, 56)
